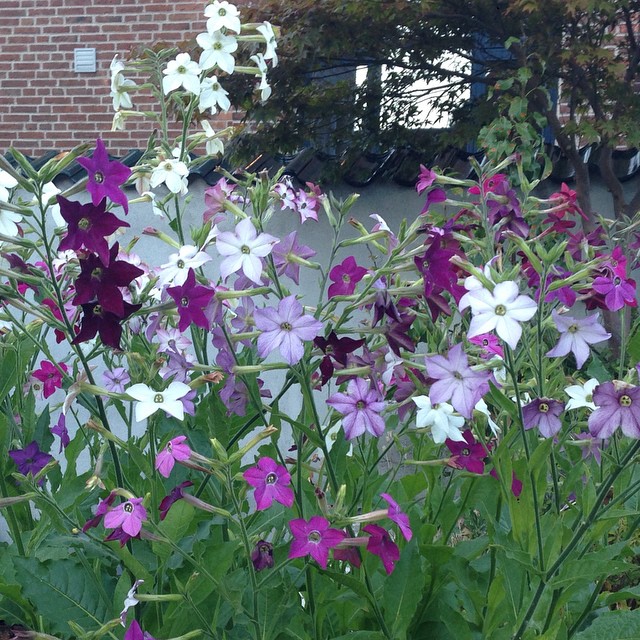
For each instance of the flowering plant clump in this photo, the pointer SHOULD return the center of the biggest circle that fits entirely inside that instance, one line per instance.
(437, 438)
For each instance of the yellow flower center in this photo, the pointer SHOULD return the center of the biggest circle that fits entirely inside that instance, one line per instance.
(625, 401)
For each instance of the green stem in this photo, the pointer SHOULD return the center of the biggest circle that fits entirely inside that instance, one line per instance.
(12, 521)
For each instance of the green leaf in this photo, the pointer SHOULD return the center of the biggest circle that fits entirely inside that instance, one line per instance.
(62, 591)
(621, 625)
(403, 591)
(174, 527)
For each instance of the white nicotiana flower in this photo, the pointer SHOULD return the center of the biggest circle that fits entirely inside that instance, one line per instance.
(216, 51)
(263, 86)
(120, 92)
(151, 197)
(130, 601)
(8, 222)
(182, 72)
(270, 38)
(212, 95)
(243, 249)
(501, 310)
(7, 181)
(440, 418)
(175, 271)
(222, 15)
(482, 407)
(581, 395)
(173, 173)
(50, 204)
(149, 401)
(213, 145)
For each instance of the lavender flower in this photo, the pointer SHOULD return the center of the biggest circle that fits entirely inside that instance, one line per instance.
(543, 413)
(285, 328)
(618, 406)
(116, 380)
(576, 336)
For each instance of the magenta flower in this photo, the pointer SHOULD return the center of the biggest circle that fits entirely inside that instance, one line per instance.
(456, 381)
(314, 538)
(617, 291)
(87, 227)
(262, 555)
(96, 320)
(336, 349)
(30, 460)
(270, 480)
(348, 554)
(381, 545)
(105, 177)
(116, 380)
(468, 455)
(345, 277)
(543, 413)
(102, 508)
(489, 343)
(576, 336)
(50, 376)
(425, 179)
(175, 451)
(60, 430)
(285, 328)
(104, 283)
(134, 632)
(618, 405)
(129, 515)
(360, 407)
(286, 252)
(395, 514)
(177, 493)
(191, 300)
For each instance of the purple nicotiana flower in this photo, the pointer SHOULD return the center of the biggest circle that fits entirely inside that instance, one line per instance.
(129, 516)
(285, 328)
(191, 300)
(105, 177)
(116, 380)
(95, 319)
(468, 455)
(60, 430)
(270, 481)
(345, 276)
(88, 227)
(286, 254)
(617, 291)
(360, 407)
(591, 447)
(314, 538)
(425, 179)
(134, 632)
(543, 413)
(262, 555)
(171, 339)
(50, 375)
(30, 460)
(175, 451)
(456, 381)
(102, 508)
(381, 545)
(618, 405)
(576, 336)
(395, 514)
(177, 493)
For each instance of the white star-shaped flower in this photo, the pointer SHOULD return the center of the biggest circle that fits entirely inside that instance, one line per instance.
(244, 249)
(212, 95)
(7, 181)
(581, 395)
(149, 401)
(440, 418)
(182, 72)
(270, 38)
(222, 15)
(501, 310)
(216, 51)
(175, 271)
(172, 173)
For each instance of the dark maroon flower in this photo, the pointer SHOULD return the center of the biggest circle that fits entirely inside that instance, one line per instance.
(176, 494)
(192, 299)
(97, 320)
(397, 334)
(345, 277)
(468, 455)
(434, 196)
(103, 283)
(120, 535)
(88, 227)
(348, 554)
(381, 545)
(262, 555)
(30, 460)
(336, 349)
(384, 305)
(105, 177)
(102, 508)
(516, 483)
(437, 271)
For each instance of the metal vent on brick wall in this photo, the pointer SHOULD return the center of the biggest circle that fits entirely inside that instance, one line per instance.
(84, 60)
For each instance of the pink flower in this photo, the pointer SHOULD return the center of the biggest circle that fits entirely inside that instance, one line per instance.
(381, 545)
(50, 376)
(174, 451)
(314, 538)
(345, 276)
(269, 479)
(129, 515)
(395, 514)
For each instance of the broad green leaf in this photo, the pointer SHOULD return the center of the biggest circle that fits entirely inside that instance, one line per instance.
(621, 625)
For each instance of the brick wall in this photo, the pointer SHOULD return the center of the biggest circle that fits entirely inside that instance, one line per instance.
(44, 103)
